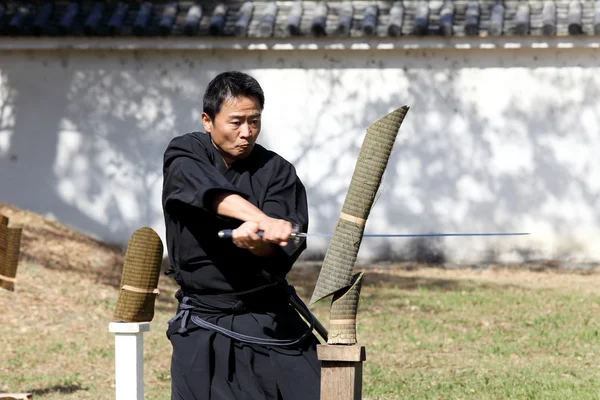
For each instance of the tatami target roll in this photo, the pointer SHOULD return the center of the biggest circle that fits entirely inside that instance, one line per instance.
(3, 243)
(139, 280)
(3, 247)
(342, 316)
(10, 249)
(336, 271)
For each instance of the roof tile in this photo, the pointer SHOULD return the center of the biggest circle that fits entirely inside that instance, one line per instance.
(259, 19)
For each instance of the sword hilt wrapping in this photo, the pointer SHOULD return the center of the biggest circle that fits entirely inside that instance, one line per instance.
(228, 233)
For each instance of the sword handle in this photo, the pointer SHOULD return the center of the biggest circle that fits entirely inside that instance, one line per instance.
(228, 233)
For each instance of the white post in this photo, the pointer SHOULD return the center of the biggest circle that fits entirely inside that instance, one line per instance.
(129, 359)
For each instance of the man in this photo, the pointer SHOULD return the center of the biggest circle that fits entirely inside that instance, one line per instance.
(235, 336)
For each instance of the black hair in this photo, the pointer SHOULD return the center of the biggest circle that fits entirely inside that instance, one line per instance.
(227, 85)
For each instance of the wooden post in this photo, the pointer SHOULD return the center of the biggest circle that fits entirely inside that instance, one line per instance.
(341, 371)
(129, 359)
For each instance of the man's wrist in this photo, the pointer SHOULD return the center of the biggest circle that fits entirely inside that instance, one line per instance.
(261, 218)
(232, 205)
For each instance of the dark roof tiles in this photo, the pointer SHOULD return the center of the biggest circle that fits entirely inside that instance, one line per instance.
(255, 19)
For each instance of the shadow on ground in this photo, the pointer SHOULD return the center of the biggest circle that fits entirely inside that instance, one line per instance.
(66, 389)
(304, 280)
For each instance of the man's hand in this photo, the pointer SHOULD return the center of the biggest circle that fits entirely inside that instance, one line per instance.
(246, 236)
(275, 231)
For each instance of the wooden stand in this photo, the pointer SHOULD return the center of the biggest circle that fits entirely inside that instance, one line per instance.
(129, 359)
(341, 371)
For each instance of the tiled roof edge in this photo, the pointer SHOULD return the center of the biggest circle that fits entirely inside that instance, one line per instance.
(260, 18)
(275, 44)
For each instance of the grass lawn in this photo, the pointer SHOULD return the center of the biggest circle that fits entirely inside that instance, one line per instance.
(429, 334)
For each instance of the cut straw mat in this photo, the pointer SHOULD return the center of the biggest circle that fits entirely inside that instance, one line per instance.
(139, 281)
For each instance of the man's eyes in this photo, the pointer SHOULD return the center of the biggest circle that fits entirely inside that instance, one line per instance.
(252, 122)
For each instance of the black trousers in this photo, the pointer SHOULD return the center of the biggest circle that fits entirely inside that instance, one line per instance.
(208, 365)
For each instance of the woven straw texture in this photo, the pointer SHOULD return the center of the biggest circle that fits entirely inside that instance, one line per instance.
(344, 307)
(336, 272)
(141, 270)
(341, 253)
(4, 269)
(3, 245)
(10, 248)
(11, 257)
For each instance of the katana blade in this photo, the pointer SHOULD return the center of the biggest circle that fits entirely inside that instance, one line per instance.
(302, 234)
(227, 234)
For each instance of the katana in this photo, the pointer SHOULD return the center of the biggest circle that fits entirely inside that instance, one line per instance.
(228, 234)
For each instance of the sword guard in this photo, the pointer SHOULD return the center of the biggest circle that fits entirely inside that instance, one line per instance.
(295, 231)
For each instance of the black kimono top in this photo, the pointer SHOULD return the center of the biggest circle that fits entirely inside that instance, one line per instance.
(193, 173)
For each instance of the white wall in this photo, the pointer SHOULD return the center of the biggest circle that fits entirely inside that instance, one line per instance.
(495, 140)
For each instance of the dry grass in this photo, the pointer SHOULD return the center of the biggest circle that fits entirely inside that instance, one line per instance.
(56, 247)
(430, 333)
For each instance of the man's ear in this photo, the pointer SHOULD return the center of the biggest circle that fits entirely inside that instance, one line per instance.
(206, 122)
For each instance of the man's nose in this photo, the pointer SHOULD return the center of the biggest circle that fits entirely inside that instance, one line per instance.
(245, 130)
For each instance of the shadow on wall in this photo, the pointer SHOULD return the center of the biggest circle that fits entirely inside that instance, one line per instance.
(83, 142)
(482, 148)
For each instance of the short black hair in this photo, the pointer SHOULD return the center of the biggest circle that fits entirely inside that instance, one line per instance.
(227, 85)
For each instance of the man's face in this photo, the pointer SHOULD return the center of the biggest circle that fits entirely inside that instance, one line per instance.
(235, 128)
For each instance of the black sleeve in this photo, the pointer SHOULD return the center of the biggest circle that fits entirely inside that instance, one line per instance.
(189, 176)
(286, 199)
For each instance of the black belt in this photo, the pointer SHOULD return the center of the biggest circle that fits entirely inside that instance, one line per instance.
(190, 304)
